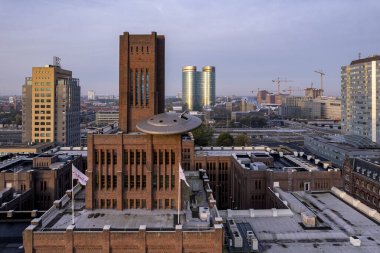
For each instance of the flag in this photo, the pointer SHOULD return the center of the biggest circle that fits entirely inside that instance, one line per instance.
(182, 175)
(82, 178)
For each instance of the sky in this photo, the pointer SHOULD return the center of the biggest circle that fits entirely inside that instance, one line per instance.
(249, 42)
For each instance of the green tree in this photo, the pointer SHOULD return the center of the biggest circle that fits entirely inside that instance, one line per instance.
(242, 140)
(203, 135)
(225, 139)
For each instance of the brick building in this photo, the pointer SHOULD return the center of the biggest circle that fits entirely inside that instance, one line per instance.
(242, 176)
(43, 178)
(130, 201)
(361, 179)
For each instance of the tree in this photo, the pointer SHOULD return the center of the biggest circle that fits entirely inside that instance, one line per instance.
(203, 135)
(242, 140)
(255, 121)
(225, 139)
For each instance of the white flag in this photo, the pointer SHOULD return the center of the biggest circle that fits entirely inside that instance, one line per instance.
(182, 175)
(82, 178)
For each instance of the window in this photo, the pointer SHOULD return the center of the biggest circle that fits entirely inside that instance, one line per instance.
(143, 157)
(172, 157)
(132, 182)
(147, 88)
(102, 157)
(136, 87)
(132, 157)
(108, 181)
(166, 181)
(173, 182)
(142, 88)
(137, 182)
(161, 157)
(166, 157)
(114, 183)
(108, 157)
(131, 203)
(143, 182)
(161, 182)
(166, 203)
(155, 157)
(126, 181)
(137, 157)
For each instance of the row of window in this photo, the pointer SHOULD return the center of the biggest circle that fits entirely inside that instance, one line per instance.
(37, 95)
(42, 100)
(135, 203)
(42, 89)
(134, 157)
(139, 87)
(43, 118)
(135, 182)
(138, 49)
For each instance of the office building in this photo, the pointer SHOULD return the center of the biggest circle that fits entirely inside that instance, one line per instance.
(311, 108)
(26, 102)
(51, 106)
(198, 87)
(106, 117)
(360, 85)
(90, 95)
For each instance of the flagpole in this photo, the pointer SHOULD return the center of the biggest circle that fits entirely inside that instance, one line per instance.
(72, 194)
(179, 191)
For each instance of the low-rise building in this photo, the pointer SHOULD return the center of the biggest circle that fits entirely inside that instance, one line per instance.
(240, 176)
(46, 177)
(335, 148)
(197, 229)
(361, 177)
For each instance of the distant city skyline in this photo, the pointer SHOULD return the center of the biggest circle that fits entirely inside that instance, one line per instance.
(250, 43)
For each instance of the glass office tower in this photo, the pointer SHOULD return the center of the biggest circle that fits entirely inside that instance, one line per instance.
(198, 87)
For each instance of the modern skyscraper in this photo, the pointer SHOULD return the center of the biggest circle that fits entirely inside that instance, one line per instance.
(141, 78)
(198, 87)
(51, 106)
(360, 86)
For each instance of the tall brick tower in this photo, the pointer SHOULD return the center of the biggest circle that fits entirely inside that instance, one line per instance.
(138, 167)
(141, 78)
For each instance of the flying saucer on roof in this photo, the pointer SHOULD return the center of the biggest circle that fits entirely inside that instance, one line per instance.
(169, 123)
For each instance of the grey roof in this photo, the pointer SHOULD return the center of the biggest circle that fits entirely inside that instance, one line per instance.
(169, 123)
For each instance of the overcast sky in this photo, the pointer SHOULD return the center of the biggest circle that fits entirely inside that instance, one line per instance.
(249, 42)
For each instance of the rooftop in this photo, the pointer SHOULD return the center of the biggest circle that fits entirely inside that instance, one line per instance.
(196, 198)
(169, 123)
(336, 222)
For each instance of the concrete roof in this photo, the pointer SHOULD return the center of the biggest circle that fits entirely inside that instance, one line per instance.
(169, 123)
(285, 234)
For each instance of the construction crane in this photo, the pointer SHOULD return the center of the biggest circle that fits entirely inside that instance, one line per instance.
(322, 74)
(278, 81)
(291, 89)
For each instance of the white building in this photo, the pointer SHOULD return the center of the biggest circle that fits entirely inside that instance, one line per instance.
(360, 86)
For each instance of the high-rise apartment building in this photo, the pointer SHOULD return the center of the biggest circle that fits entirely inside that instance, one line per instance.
(198, 87)
(360, 86)
(51, 106)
